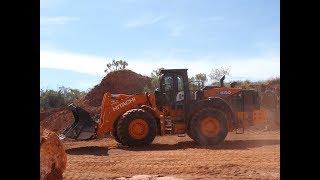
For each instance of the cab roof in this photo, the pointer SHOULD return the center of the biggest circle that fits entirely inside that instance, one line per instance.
(163, 71)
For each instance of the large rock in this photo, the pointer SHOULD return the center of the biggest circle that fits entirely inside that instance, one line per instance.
(53, 158)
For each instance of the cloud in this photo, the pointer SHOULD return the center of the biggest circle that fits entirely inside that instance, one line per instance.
(58, 20)
(252, 68)
(143, 21)
(89, 64)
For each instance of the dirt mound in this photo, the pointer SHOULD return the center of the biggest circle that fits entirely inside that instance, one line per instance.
(118, 82)
(45, 114)
(58, 120)
(53, 158)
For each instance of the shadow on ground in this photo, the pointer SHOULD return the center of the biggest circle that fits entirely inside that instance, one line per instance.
(234, 144)
(88, 150)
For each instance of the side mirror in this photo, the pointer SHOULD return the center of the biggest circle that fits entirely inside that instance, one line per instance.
(160, 98)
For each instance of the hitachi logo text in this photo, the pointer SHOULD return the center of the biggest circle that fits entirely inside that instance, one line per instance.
(131, 100)
(225, 92)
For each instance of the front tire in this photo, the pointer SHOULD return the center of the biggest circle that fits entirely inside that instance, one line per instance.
(136, 128)
(209, 126)
(114, 133)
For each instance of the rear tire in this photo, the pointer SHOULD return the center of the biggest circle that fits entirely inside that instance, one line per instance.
(149, 128)
(209, 135)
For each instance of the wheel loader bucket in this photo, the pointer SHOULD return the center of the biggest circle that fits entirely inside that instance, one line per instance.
(83, 127)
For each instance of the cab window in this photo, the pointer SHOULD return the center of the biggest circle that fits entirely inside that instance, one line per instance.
(168, 83)
(180, 83)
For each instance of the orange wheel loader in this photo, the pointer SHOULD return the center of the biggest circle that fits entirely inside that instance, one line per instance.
(206, 116)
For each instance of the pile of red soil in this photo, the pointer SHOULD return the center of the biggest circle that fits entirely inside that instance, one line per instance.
(117, 82)
(46, 113)
(53, 158)
(58, 120)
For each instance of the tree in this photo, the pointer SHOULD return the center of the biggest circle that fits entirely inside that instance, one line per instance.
(245, 84)
(157, 72)
(116, 65)
(218, 73)
(201, 78)
(192, 84)
(51, 99)
(70, 94)
(155, 75)
(58, 98)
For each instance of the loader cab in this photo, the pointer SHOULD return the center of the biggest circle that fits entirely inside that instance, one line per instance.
(174, 88)
(173, 94)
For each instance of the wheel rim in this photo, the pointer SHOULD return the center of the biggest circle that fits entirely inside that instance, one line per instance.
(138, 129)
(210, 127)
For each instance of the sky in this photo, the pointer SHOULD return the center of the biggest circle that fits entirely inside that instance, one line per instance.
(78, 38)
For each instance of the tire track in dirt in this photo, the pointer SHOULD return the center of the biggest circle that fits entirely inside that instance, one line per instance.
(251, 155)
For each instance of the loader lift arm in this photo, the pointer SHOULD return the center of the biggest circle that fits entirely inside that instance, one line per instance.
(113, 106)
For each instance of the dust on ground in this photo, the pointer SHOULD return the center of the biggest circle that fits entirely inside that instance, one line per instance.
(252, 155)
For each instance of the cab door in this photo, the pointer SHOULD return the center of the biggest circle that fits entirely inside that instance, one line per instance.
(168, 90)
(172, 86)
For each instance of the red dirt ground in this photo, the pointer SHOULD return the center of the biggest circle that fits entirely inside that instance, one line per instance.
(253, 155)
